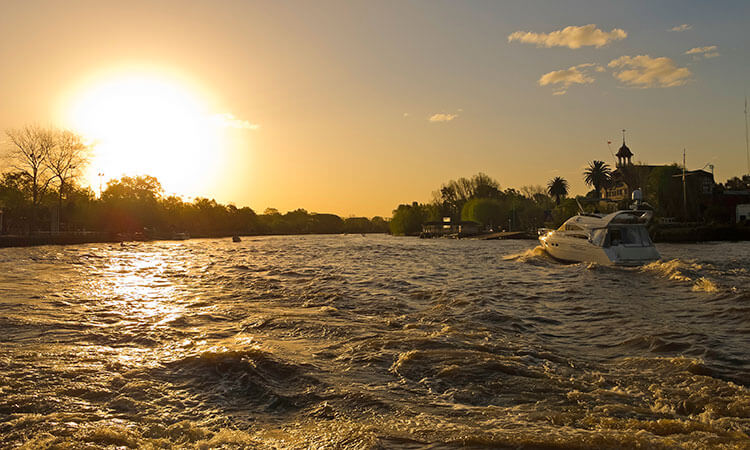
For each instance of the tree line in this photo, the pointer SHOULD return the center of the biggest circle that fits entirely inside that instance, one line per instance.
(479, 199)
(40, 190)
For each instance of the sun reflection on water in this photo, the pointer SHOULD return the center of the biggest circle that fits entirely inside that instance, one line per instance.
(136, 285)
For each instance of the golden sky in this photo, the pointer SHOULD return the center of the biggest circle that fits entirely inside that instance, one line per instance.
(355, 107)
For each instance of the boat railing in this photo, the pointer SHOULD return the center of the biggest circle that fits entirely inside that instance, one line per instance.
(640, 216)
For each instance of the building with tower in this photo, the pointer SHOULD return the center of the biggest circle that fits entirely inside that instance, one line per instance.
(628, 177)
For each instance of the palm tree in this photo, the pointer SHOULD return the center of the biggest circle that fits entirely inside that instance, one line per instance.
(557, 188)
(597, 174)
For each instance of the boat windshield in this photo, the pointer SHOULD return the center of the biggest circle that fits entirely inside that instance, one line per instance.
(632, 236)
(599, 237)
(567, 226)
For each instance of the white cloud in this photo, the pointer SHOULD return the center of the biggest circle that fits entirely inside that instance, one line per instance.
(708, 51)
(442, 117)
(644, 71)
(565, 78)
(228, 120)
(571, 37)
(683, 27)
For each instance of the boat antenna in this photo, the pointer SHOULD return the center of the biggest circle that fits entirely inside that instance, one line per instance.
(747, 147)
(580, 208)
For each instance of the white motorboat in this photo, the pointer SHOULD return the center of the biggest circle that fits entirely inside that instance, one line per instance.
(619, 238)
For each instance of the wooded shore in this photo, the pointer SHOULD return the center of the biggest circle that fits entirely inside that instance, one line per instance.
(91, 237)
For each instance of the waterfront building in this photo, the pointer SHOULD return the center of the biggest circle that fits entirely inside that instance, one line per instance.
(449, 227)
(628, 177)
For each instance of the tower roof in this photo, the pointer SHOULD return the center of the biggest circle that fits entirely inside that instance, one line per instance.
(624, 151)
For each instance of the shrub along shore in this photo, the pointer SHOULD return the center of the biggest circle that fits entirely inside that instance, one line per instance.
(134, 208)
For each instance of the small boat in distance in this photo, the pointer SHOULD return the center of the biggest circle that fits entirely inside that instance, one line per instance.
(236, 238)
(619, 238)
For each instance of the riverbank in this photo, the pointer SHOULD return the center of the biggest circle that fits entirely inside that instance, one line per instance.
(94, 237)
(659, 234)
(31, 240)
(699, 233)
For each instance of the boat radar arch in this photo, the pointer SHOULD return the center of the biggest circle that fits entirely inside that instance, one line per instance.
(637, 195)
(638, 203)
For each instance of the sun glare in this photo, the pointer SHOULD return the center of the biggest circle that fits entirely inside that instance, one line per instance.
(149, 125)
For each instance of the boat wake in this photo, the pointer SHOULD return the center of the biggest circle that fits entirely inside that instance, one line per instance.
(683, 271)
(531, 256)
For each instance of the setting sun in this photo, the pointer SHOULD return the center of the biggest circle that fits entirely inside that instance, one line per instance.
(148, 124)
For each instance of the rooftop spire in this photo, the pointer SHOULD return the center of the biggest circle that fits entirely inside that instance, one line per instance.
(624, 154)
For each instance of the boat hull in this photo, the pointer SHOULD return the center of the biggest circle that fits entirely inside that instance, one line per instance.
(570, 249)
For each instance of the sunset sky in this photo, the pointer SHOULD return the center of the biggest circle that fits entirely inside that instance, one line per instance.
(354, 107)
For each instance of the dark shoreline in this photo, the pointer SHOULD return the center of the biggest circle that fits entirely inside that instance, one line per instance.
(33, 240)
(93, 237)
(659, 234)
(699, 233)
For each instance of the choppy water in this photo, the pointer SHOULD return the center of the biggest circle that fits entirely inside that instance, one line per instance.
(371, 342)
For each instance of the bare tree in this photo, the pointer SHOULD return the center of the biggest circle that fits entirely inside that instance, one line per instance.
(530, 191)
(29, 154)
(65, 162)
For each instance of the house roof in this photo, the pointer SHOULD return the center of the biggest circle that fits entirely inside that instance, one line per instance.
(696, 172)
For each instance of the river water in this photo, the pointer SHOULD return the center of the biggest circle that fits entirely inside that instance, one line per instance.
(371, 342)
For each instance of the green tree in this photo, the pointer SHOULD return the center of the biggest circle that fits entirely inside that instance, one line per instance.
(209, 217)
(737, 184)
(131, 203)
(326, 223)
(484, 186)
(379, 225)
(452, 196)
(664, 190)
(557, 188)
(139, 188)
(565, 210)
(356, 225)
(486, 211)
(243, 220)
(81, 208)
(298, 221)
(408, 219)
(15, 189)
